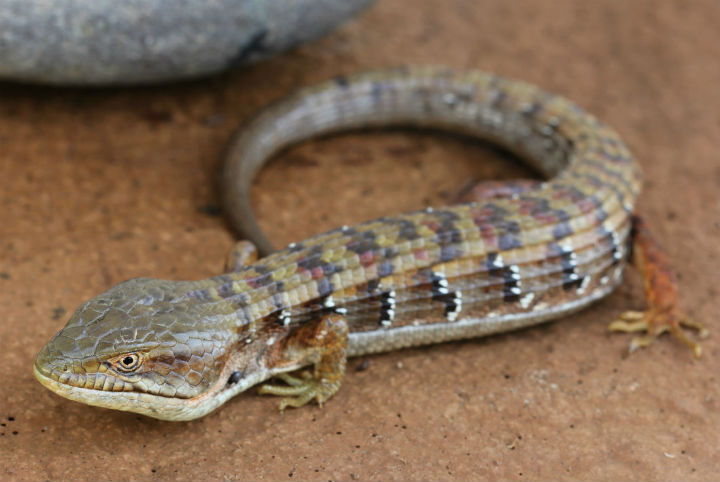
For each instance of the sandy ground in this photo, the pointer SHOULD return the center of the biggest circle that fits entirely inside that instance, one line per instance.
(99, 186)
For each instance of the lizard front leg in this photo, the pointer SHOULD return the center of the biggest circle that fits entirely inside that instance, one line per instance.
(242, 254)
(323, 344)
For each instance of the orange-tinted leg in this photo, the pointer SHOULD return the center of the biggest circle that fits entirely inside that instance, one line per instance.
(325, 345)
(663, 312)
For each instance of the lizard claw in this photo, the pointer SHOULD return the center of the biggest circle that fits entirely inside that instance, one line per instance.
(655, 322)
(299, 390)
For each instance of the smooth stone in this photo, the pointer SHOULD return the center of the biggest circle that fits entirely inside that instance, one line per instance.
(86, 42)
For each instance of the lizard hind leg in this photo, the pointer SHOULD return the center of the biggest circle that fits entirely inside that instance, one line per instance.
(324, 344)
(663, 314)
(654, 323)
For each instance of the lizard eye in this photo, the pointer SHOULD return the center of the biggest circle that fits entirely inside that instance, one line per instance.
(128, 362)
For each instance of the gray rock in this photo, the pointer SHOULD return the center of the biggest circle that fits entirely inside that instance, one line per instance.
(81, 42)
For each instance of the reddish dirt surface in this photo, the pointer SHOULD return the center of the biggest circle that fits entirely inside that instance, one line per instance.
(104, 185)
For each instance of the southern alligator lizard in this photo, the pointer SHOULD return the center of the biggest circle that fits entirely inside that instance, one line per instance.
(521, 255)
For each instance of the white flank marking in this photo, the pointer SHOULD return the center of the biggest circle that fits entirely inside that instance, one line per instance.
(498, 262)
(583, 285)
(527, 299)
(285, 317)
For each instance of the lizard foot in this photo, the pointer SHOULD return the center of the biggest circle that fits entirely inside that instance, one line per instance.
(300, 390)
(655, 322)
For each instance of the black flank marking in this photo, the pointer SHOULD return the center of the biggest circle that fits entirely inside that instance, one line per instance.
(441, 292)
(570, 277)
(341, 81)
(611, 239)
(511, 279)
(387, 307)
(494, 268)
(277, 298)
(511, 288)
(439, 285)
(274, 318)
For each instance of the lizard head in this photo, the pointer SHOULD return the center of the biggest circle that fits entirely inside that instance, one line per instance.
(140, 347)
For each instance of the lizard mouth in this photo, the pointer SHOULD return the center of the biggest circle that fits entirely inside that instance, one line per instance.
(144, 403)
(53, 373)
(126, 399)
(53, 378)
